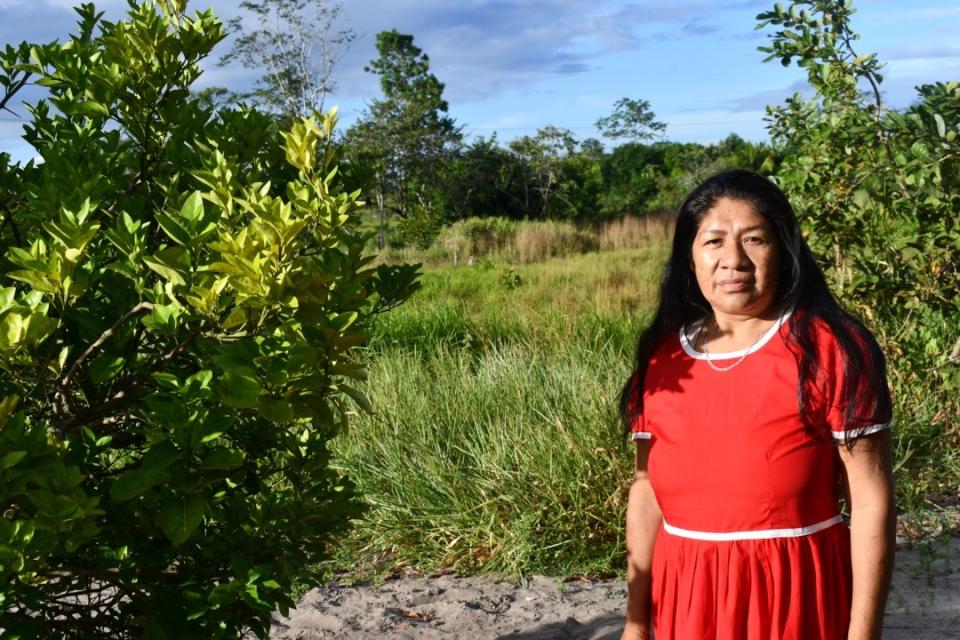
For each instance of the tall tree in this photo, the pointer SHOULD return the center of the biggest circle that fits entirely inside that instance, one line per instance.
(406, 134)
(298, 43)
(631, 120)
(484, 179)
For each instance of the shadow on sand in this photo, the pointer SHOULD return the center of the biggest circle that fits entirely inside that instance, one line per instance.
(603, 627)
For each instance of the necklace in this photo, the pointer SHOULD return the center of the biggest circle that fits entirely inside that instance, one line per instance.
(701, 336)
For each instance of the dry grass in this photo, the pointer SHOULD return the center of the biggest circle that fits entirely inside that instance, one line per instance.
(630, 232)
(466, 242)
(540, 241)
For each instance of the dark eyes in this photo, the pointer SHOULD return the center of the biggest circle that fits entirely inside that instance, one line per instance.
(748, 240)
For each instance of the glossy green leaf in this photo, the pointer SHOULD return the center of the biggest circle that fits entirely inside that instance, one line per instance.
(180, 518)
(11, 458)
(222, 458)
(92, 108)
(239, 388)
(135, 483)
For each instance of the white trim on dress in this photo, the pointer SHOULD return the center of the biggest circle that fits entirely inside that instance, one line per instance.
(865, 431)
(699, 355)
(641, 435)
(759, 534)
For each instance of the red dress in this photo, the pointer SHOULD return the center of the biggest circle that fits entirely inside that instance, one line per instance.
(752, 546)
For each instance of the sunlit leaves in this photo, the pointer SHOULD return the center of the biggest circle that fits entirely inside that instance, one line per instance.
(185, 294)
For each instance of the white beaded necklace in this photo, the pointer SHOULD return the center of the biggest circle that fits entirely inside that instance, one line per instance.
(701, 337)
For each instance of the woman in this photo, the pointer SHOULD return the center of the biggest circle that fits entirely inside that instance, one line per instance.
(756, 402)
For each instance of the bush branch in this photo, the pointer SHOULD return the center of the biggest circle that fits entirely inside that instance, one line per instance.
(12, 90)
(63, 389)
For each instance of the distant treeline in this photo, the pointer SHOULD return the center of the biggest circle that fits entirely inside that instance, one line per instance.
(551, 176)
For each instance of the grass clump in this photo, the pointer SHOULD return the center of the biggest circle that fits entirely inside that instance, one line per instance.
(506, 460)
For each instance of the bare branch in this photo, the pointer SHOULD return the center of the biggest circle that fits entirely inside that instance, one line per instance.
(63, 388)
(11, 91)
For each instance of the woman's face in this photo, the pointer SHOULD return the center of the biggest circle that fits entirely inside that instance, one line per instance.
(736, 259)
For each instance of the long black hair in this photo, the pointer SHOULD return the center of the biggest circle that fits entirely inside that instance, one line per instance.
(801, 286)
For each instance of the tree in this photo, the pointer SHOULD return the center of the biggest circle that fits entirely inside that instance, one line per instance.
(481, 180)
(178, 325)
(543, 154)
(631, 119)
(298, 44)
(406, 135)
(632, 174)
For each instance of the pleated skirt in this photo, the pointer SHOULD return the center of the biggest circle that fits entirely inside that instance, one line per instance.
(795, 588)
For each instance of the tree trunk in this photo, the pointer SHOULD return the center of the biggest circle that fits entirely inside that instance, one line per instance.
(381, 240)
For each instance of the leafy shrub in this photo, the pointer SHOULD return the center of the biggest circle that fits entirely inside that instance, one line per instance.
(184, 297)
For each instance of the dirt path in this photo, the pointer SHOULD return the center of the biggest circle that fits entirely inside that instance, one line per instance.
(924, 605)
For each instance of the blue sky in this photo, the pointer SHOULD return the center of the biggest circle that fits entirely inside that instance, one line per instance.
(513, 66)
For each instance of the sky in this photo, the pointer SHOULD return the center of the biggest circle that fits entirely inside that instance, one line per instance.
(511, 67)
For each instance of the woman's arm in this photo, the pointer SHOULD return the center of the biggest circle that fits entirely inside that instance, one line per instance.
(872, 530)
(643, 521)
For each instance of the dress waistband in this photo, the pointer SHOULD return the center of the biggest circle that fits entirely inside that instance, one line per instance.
(758, 534)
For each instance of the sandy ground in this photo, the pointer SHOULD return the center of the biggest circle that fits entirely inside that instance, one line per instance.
(924, 605)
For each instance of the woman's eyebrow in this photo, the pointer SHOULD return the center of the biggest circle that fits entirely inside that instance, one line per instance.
(711, 230)
(722, 231)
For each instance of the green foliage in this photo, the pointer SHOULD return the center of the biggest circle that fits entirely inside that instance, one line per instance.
(185, 294)
(878, 191)
(631, 119)
(484, 179)
(513, 462)
(544, 155)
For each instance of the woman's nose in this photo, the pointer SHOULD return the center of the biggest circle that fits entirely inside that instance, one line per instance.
(734, 256)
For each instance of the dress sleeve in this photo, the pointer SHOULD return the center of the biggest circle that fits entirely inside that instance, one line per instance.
(864, 411)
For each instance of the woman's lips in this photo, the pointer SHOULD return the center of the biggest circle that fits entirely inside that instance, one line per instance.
(732, 286)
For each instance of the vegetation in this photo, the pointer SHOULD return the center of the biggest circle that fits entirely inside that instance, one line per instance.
(501, 454)
(404, 137)
(503, 240)
(298, 44)
(631, 119)
(185, 296)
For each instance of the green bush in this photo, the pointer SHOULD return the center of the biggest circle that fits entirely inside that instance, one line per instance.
(184, 296)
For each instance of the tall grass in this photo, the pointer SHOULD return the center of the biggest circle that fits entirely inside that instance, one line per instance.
(495, 444)
(507, 459)
(632, 231)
